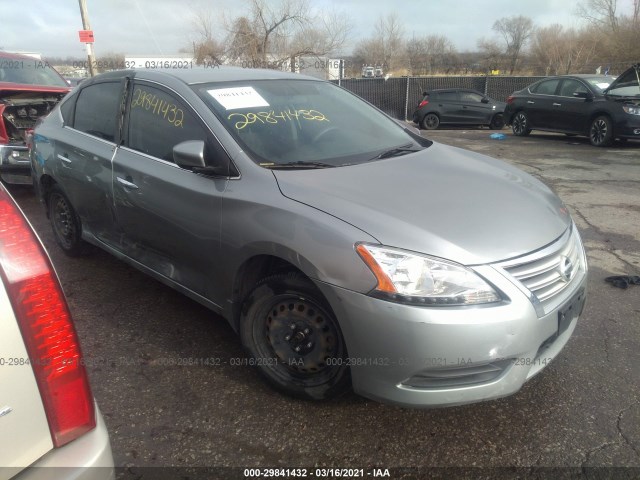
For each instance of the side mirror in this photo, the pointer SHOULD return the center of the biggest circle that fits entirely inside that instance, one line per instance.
(585, 95)
(484, 100)
(189, 154)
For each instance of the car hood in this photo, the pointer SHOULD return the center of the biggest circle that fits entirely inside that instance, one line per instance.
(630, 75)
(19, 90)
(442, 201)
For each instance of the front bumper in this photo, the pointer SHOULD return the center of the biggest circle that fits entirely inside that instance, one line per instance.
(629, 128)
(15, 166)
(427, 357)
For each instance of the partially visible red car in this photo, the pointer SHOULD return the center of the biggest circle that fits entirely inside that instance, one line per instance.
(29, 89)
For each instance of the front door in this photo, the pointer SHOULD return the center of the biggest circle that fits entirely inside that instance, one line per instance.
(169, 216)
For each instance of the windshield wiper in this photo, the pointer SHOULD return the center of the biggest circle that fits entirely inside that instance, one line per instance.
(396, 152)
(298, 164)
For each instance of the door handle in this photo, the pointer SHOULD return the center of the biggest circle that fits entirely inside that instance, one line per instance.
(530, 102)
(126, 183)
(557, 104)
(64, 158)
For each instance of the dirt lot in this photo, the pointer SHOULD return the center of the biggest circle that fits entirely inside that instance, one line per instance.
(583, 411)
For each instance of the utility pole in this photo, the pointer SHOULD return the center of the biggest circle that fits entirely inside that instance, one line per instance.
(86, 26)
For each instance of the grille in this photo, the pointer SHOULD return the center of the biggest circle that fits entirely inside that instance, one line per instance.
(549, 272)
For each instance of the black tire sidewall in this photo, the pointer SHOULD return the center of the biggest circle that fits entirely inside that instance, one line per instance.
(424, 124)
(255, 307)
(76, 246)
(608, 140)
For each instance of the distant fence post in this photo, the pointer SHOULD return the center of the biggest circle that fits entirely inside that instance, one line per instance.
(486, 85)
(406, 101)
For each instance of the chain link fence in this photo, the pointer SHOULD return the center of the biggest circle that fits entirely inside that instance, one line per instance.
(398, 97)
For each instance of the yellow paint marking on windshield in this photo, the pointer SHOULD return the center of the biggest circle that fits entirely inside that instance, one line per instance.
(273, 118)
(150, 102)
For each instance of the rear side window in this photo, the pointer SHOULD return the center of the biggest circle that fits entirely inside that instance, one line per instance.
(158, 121)
(548, 87)
(97, 110)
(448, 96)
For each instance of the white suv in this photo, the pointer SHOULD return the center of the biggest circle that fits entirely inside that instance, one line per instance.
(48, 417)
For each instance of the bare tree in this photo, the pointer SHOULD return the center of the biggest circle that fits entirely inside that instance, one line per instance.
(491, 54)
(559, 51)
(431, 54)
(390, 32)
(601, 13)
(515, 32)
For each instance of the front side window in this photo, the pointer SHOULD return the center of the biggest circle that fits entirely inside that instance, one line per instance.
(570, 86)
(547, 87)
(97, 110)
(471, 97)
(158, 121)
(288, 121)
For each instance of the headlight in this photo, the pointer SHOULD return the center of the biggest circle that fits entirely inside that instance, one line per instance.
(631, 109)
(418, 279)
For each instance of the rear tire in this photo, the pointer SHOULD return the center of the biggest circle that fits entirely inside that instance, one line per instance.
(431, 121)
(65, 223)
(601, 131)
(520, 125)
(497, 122)
(294, 338)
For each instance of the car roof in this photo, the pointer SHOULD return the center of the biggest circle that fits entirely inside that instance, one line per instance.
(205, 74)
(442, 90)
(17, 56)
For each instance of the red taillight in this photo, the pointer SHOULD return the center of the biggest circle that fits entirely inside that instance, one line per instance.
(510, 99)
(46, 326)
(423, 103)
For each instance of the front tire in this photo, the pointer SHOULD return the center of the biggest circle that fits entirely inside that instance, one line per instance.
(431, 121)
(290, 331)
(601, 131)
(520, 125)
(65, 223)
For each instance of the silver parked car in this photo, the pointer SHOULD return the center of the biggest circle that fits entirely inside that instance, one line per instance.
(344, 248)
(48, 417)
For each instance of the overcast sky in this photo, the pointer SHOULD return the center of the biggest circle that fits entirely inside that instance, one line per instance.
(155, 27)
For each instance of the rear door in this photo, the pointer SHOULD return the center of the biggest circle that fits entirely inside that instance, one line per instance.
(540, 105)
(448, 106)
(84, 150)
(169, 216)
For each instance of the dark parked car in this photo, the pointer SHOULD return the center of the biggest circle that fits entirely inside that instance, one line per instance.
(600, 107)
(345, 249)
(458, 106)
(29, 89)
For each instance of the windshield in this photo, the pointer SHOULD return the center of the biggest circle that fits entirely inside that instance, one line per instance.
(295, 122)
(29, 72)
(600, 84)
(627, 85)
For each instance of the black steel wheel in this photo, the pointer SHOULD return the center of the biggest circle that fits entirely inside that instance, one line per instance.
(520, 124)
(497, 122)
(601, 131)
(65, 223)
(431, 121)
(294, 338)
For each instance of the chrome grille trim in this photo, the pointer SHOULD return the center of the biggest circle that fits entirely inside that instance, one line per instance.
(550, 271)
